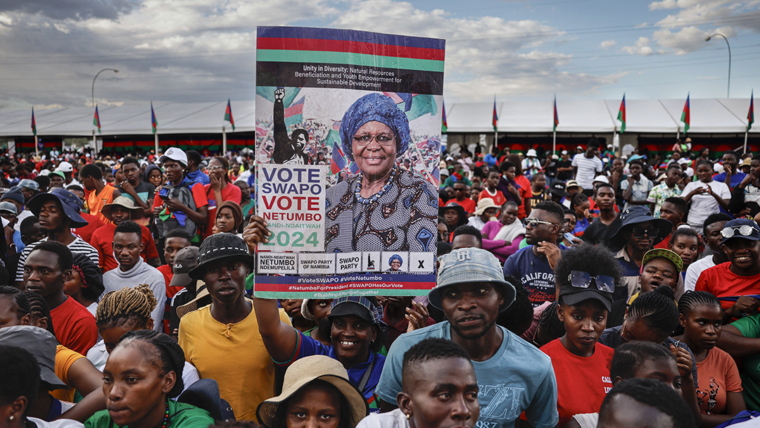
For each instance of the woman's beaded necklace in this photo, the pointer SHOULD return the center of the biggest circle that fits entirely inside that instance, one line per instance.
(166, 416)
(376, 196)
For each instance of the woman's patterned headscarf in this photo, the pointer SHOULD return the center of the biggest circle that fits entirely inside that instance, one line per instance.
(379, 108)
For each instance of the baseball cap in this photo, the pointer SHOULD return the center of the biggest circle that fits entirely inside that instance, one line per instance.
(741, 228)
(65, 167)
(29, 184)
(664, 253)
(558, 189)
(174, 154)
(8, 207)
(184, 261)
(38, 342)
(360, 307)
(572, 294)
(468, 266)
(564, 152)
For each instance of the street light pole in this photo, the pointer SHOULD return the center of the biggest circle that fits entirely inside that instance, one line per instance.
(93, 82)
(728, 91)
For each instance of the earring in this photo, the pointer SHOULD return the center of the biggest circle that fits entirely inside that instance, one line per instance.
(408, 415)
(11, 418)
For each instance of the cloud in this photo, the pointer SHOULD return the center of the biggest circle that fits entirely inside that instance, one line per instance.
(607, 44)
(69, 9)
(640, 48)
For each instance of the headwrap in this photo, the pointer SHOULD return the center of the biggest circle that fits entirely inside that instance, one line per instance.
(379, 108)
(395, 257)
(237, 213)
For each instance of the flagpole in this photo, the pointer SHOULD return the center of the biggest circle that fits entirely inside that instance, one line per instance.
(554, 141)
(36, 146)
(224, 141)
(745, 141)
(155, 138)
(94, 142)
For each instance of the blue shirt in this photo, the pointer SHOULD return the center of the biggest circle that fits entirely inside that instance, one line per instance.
(517, 378)
(199, 177)
(490, 160)
(534, 273)
(17, 240)
(736, 179)
(307, 346)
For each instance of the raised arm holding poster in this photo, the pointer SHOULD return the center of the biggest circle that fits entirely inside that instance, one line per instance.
(348, 145)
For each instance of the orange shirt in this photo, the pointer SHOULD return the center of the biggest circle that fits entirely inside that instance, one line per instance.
(95, 201)
(498, 199)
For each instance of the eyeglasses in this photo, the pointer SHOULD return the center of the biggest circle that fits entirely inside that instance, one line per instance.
(215, 167)
(745, 230)
(639, 232)
(460, 190)
(533, 222)
(580, 279)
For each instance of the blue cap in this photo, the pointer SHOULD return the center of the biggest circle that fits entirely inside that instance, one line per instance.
(468, 266)
(29, 184)
(733, 230)
(13, 195)
(70, 203)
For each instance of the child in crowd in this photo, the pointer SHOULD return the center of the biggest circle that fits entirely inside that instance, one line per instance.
(686, 242)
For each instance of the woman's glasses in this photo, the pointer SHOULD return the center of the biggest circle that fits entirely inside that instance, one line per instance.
(580, 279)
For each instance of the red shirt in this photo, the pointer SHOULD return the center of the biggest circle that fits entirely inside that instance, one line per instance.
(74, 326)
(166, 271)
(726, 285)
(498, 199)
(665, 243)
(102, 240)
(229, 193)
(526, 193)
(468, 204)
(582, 382)
(86, 232)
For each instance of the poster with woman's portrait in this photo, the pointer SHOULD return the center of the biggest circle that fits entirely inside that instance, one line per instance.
(348, 127)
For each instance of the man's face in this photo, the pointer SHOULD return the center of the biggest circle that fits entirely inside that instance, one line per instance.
(33, 234)
(171, 247)
(471, 309)
(120, 214)
(225, 281)
(674, 174)
(56, 181)
(605, 198)
(52, 217)
(539, 182)
(713, 236)
(730, 160)
(669, 212)
(132, 173)
(43, 274)
(641, 236)
(541, 232)
(244, 189)
(126, 249)
(460, 190)
(743, 254)
(636, 171)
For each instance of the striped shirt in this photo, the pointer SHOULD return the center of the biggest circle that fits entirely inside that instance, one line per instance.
(587, 169)
(78, 246)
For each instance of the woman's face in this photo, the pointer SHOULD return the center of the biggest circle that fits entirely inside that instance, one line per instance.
(443, 232)
(658, 272)
(662, 369)
(216, 169)
(374, 149)
(225, 221)
(688, 248)
(702, 325)
(569, 223)
(351, 338)
(320, 308)
(292, 307)
(73, 285)
(704, 173)
(584, 323)
(510, 174)
(509, 215)
(135, 386)
(155, 178)
(314, 406)
(582, 208)
(9, 313)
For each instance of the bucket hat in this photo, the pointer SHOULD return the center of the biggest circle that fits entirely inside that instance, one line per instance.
(202, 299)
(70, 203)
(304, 371)
(204, 394)
(460, 210)
(305, 311)
(221, 247)
(571, 183)
(637, 215)
(124, 202)
(663, 253)
(184, 261)
(38, 342)
(467, 266)
(485, 204)
(29, 184)
(741, 229)
(531, 153)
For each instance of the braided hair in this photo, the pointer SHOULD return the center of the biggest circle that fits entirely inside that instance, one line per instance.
(657, 309)
(692, 299)
(90, 275)
(167, 354)
(18, 299)
(125, 305)
(632, 355)
(549, 324)
(39, 309)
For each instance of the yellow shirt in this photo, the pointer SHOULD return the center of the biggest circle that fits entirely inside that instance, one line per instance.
(64, 359)
(232, 354)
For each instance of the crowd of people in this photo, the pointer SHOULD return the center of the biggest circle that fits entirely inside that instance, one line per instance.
(580, 291)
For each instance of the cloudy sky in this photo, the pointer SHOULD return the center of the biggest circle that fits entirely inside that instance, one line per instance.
(205, 50)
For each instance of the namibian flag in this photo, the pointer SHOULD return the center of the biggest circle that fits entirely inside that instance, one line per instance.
(153, 121)
(686, 115)
(414, 105)
(294, 113)
(556, 116)
(331, 58)
(444, 124)
(228, 115)
(495, 120)
(751, 114)
(621, 115)
(34, 124)
(96, 119)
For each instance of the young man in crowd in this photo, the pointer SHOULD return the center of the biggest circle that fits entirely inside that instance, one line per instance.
(731, 176)
(121, 210)
(46, 269)
(93, 222)
(587, 165)
(194, 172)
(462, 198)
(637, 187)
(513, 376)
(674, 210)
(534, 265)
(713, 227)
(608, 222)
(492, 189)
(736, 283)
(189, 288)
(68, 174)
(58, 212)
(57, 180)
(132, 270)
(133, 187)
(667, 189)
(100, 193)
(176, 240)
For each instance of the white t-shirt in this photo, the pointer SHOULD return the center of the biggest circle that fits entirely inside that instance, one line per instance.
(394, 419)
(61, 423)
(587, 169)
(704, 204)
(695, 269)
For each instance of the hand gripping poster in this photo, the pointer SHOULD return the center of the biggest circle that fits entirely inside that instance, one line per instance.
(348, 128)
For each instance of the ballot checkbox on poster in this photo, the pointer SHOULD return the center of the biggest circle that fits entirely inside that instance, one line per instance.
(421, 262)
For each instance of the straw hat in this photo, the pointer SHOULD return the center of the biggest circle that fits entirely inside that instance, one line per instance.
(306, 370)
(124, 202)
(485, 204)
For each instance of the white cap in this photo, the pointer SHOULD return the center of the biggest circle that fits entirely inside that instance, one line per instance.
(65, 167)
(564, 152)
(601, 179)
(531, 152)
(174, 154)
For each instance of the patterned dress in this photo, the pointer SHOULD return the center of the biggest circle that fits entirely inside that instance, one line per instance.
(403, 218)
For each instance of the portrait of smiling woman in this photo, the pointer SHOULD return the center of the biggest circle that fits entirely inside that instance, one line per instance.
(383, 206)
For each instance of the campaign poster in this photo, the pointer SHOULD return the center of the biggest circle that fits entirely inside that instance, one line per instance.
(348, 139)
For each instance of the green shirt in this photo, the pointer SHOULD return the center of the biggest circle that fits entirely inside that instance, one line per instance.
(181, 415)
(750, 372)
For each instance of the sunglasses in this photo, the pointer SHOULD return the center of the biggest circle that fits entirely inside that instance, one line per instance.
(745, 230)
(580, 279)
(533, 222)
(639, 232)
